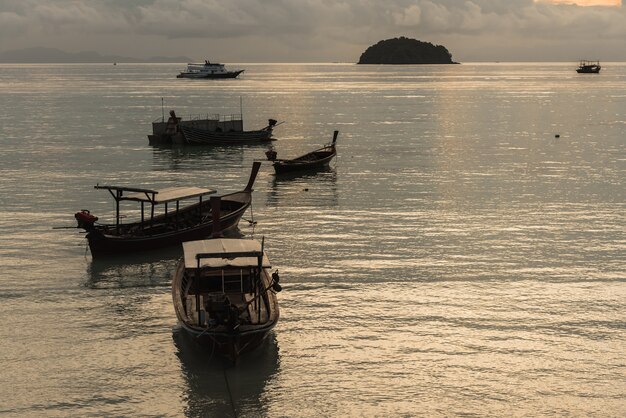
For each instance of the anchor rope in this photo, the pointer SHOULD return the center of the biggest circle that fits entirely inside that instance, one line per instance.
(230, 393)
(251, 221)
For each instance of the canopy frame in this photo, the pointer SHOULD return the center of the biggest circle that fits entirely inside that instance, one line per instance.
(135, 194)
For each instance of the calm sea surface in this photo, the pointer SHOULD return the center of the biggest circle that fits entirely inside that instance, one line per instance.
(457, 259)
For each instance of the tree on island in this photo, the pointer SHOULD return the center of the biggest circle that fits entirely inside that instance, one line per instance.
(406, 51)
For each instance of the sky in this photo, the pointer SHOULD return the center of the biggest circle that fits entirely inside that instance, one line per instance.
(241, 31)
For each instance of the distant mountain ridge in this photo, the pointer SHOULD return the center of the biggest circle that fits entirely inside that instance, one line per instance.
(41, 55)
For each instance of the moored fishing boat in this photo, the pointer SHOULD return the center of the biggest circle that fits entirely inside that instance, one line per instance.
(184, 222)
(207, 130)
(310, 161)
(588, 67)
(224, 295)
(211, 70)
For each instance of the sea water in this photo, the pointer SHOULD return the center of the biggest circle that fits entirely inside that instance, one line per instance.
(465, 254)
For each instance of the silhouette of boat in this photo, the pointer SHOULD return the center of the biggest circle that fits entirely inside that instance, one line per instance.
(208, 70)
(207, 130)
(182, 223)
(588, 67)
(313, 160)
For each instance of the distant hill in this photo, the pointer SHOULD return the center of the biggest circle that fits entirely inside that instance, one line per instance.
(53, 55)
(405, 51)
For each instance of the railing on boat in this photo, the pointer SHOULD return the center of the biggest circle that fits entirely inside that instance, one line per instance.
(217, 116)
(207, 116)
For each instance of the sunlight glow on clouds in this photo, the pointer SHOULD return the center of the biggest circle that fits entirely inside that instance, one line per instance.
(584, 2)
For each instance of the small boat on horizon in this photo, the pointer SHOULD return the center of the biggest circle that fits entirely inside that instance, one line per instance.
(313, 160)
(588, 67)
(207, 130)
(181, 223)
(208, 70)
(224, 295)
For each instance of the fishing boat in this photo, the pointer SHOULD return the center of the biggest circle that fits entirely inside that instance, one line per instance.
(224, 295)
(588, 67)
(207, 130)
(179, 221)
(311, 161)
(208, 69)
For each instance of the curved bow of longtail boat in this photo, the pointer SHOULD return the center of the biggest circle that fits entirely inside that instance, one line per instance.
(255, 170)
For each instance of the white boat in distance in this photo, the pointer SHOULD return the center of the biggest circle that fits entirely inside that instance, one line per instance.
(208, 70)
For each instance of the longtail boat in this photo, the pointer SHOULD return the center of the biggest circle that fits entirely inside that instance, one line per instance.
(177, 223)
(224, 295)
(311, 161)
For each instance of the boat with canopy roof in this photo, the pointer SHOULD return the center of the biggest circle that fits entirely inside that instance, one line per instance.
(224, 295)
(186, 215)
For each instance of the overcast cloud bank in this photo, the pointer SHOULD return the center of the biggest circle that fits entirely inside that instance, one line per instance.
(313, 30)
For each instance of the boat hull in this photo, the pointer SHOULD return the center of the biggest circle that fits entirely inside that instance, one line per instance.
(103, 244)
(281, 168)
(293, 166)
(588, 71)
(229, 74)
(194, 136)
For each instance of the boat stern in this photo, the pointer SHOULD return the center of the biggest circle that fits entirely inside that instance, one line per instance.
(85, 220)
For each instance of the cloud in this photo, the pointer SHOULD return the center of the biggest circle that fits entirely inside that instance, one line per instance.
(302, 26)
(11, 23)
(411, 16)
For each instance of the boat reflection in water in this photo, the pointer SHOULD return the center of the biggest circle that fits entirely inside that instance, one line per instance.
(143, 269)
(317, 189)
(154, 268)
(177, 158)
(217, 388)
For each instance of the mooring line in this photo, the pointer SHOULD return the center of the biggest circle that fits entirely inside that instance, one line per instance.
(230, 394)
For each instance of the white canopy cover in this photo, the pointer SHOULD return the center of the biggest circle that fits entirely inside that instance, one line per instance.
(170, 194)
(218, 246)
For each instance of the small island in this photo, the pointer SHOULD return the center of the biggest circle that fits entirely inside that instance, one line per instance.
(406, 51)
